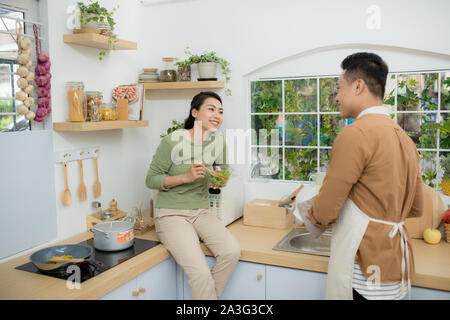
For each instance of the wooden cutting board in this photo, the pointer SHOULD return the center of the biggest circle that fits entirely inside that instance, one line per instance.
(432, 205)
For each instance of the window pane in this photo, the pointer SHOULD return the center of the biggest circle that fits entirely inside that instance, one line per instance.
(301, 130)
(444, 176)
(266, 96)
(445, 88)
(417, 92)
(389, 91)
(419, 127)
(444, 140)
(300, 163)
(324, 158)
(300, 95)
(268, 129)
(327, 94)
(267, 163)
(8, 46)
(429, 171)
(330, 126)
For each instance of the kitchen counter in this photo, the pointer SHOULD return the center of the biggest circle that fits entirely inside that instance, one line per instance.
(432, 265)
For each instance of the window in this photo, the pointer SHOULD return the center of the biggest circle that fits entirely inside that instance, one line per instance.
(302, 120)
(9, 119)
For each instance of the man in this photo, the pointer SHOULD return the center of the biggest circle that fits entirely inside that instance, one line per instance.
(373, 184)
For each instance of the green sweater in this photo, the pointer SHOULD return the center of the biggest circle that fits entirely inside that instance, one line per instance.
(174, 156)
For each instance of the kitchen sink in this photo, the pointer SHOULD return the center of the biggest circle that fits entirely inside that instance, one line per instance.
(300, 240)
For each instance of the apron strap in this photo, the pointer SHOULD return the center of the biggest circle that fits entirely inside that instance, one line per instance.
(398, 227)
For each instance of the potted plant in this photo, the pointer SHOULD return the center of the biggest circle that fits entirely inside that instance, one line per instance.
(97, 19)
(175, 125)
(184, 70)
(207, 65)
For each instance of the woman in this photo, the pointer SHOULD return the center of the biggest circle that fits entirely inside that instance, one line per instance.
(182, 215)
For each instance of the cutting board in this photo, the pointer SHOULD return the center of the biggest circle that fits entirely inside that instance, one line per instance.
(432, 207)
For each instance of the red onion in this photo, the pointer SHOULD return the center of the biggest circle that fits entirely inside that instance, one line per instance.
(43, 56)
(41, 81)
(41, 92)
(48, 86)
(43, 102)
(48, 109)
(40, 112)
(46, 65)
(40, 70)
(48, 75)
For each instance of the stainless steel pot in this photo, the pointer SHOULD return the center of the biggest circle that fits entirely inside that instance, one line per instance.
(113, 235)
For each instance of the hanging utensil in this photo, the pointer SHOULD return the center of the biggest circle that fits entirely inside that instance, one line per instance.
(97, 186)
(82, 193)
(67, 196)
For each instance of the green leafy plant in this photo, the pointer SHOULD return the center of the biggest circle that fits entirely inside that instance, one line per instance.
(175, 126)
(207, 57)
(93, 11)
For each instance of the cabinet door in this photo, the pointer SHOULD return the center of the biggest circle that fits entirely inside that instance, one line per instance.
(124, 292)
(287, 283)
(246, 282)
(159, 282)
(418, 293)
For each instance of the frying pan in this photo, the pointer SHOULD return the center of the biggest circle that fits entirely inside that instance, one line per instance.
(40, 257)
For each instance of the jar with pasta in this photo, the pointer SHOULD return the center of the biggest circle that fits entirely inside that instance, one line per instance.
(93, 106)
(75, 95)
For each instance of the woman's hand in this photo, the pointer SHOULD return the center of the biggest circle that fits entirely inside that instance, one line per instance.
(196, 171)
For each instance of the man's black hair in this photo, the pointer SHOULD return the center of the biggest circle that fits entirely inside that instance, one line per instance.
(368, 67)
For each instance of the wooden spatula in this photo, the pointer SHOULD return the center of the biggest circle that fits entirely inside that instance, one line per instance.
(62, 260)
(97, 186)
(82, 193)
(67, 196)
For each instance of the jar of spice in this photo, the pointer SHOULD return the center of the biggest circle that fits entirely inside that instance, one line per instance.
(168, 72)
(93, 106)
(109, 111)
(75, 95)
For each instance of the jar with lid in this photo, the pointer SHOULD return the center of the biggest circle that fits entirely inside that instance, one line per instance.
(93, 106)
(109, 111)
(168, 72)
(75, 95)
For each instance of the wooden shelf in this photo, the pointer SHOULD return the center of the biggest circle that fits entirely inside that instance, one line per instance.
(183, 85)
(98, 41)
(98, 126)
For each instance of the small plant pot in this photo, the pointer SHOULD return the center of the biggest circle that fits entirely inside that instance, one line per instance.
(207, 70)
(90, 27)
(184, 74)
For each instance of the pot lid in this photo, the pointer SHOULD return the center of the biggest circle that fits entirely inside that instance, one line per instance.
(114, 226)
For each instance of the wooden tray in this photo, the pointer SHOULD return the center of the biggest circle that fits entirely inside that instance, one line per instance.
(93, 219)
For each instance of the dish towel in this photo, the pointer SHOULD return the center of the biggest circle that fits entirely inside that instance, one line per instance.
(302, 209)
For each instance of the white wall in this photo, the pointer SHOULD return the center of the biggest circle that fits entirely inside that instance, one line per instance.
(258, 37)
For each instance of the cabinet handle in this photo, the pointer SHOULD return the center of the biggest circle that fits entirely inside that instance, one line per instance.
(141, 290)
(259, 277)
(135, 293)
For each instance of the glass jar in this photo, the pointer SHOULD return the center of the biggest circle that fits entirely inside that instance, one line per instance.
(75, 95)
(168, 72)
(109, 111)
(93, 106)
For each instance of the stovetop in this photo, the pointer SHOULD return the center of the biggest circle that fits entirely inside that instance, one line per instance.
(98, 262)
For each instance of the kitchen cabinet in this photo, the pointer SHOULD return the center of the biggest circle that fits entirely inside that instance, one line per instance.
(246, 282)
(157, 283)
(287, 283)
(418, 293)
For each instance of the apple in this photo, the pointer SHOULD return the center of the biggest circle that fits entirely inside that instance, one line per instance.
(446, 216)
(432, 236)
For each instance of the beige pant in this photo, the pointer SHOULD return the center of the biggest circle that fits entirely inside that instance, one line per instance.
(180, 231)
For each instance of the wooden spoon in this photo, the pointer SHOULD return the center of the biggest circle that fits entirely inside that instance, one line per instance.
(82, 193)
(67, 196)
(97, 185)
(62, 260)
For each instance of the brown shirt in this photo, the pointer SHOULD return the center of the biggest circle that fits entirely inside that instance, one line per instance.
(375, 164)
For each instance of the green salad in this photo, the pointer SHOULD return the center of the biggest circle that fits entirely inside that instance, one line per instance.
(221, 179)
